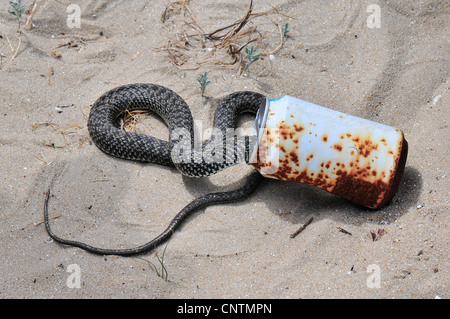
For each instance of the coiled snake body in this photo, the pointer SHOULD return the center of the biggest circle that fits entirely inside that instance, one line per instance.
(222, 150)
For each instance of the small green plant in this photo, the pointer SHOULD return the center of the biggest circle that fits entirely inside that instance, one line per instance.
(252, 55)
(162, 270)
(18, 9)
(285, 30)
(203, 82)
(17, 12)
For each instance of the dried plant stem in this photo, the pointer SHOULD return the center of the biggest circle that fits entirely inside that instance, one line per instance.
(42, 221)
(18, 46)
(278, 47)
(7, 39)
(236, 26)
(29, 23)
(302, 228)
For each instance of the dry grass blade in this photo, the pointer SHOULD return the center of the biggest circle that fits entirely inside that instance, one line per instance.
(278, 47)
(50, 218)
(37, 125)
(7, 38)
(71, 129)
(131, 118)
(236, 27)
(173, 8)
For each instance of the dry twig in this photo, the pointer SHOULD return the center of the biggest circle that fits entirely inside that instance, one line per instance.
(302, 228)
(54, 217)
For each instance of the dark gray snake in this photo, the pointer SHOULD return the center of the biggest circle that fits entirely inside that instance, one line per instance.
(222, 150)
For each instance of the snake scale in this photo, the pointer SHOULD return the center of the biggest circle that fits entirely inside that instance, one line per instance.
(222, 150)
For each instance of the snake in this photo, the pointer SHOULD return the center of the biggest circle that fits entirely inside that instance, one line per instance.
(223, 149)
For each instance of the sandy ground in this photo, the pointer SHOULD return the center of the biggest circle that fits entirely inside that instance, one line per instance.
(396, 74)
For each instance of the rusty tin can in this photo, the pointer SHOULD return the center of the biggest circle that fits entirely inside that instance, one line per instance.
(354, 158)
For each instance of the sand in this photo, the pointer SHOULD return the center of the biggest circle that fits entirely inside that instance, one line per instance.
(395, 72)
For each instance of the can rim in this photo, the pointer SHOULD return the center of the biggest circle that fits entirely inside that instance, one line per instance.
(260, 124)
